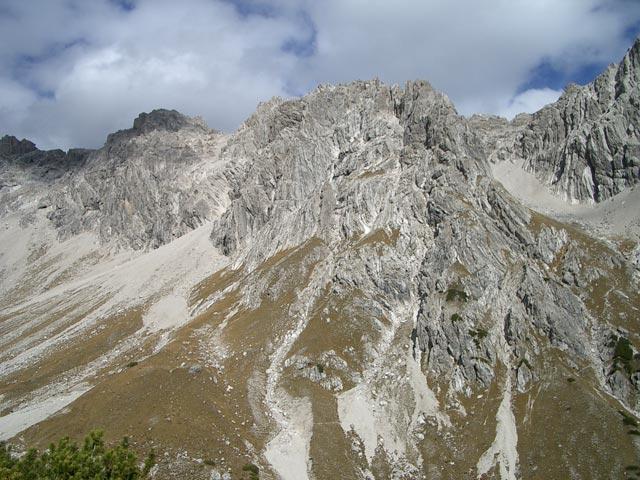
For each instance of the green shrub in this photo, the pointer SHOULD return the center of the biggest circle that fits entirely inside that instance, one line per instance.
(623, 350)
(524, 361)
(454, 294)
(624, 358)
(149, 462)
(65, 460)
(628, 419)
(479, 333)
(252, 469)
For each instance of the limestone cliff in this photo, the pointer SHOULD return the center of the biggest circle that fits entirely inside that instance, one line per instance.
(585, 146)
(339, 289)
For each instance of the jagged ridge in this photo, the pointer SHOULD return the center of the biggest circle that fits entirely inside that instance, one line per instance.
(386, 305)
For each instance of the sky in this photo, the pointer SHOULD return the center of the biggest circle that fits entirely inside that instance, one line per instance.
(73, 71)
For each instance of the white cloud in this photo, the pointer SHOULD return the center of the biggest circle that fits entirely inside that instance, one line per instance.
(73, 71)
(529, 101)
(14, 98)
(479, 53)
(202, 60)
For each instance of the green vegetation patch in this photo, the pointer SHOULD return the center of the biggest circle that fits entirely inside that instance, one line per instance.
(623, 350)
(628, 419)
(68, 461)
(478, 334)
(455, 294)
(623, 356)
(524, 361)
(253, 470)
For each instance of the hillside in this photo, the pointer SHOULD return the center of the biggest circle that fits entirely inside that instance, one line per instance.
(360, 283)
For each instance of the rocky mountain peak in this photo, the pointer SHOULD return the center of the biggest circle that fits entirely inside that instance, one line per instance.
(166, 120)
(585, 146)
(10, 145)
(159, 121)
(343, 288)
(628, 75)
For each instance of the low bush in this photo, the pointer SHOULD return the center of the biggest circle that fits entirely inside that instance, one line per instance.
(252, 469)
(66, 461)
(454, 294)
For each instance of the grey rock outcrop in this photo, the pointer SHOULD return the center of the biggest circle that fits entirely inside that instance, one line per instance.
(350, 163)
(366, 133)
(22, 159)
(347, 161)
(166, 120)
(380, 281)
(27, 174)
(585, 146)
(10, 145)
(387, 194)
(147, 186)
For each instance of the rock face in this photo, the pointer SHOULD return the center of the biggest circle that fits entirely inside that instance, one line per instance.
(147, 186)
(167, 121)
(27, 174)
(396, 187)
(586, 146)
(387, 309)
(337, 185)
(10, 146)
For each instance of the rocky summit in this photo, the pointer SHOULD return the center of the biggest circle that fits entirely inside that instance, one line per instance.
(360, 283)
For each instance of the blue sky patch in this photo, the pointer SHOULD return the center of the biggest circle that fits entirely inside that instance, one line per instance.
(50, 52)
(632, 33)
(24, 66)
(125, 5)
(303, 47)
(7, 14)
(246, 8)
(545, 75)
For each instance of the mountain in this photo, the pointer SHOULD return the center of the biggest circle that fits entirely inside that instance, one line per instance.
(586, 146)
(360, 283)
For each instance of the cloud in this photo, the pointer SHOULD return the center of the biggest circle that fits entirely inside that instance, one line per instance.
(14, 99)
(529, 101)
(73, 71)
(479, 53)
(114, 62)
